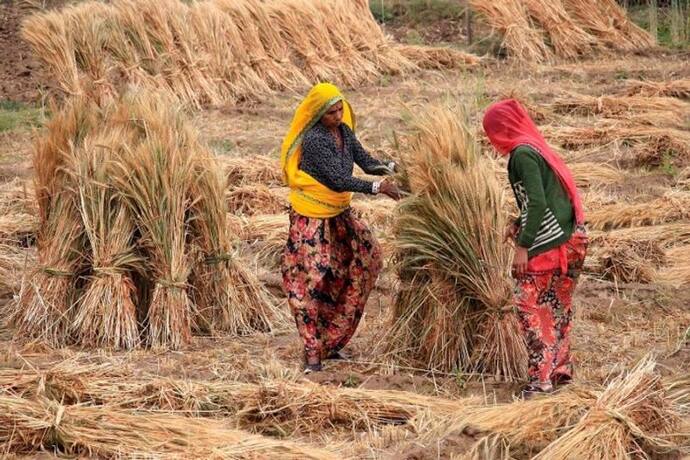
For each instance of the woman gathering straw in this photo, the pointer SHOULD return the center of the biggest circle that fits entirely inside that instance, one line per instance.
(331, 260)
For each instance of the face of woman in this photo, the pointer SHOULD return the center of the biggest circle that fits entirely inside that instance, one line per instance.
(334, 116)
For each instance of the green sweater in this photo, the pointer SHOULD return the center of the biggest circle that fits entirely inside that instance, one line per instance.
(546, 214)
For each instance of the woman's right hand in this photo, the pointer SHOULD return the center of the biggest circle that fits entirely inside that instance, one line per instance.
(390, 189)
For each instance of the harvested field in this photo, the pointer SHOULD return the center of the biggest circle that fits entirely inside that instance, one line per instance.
(215, 370)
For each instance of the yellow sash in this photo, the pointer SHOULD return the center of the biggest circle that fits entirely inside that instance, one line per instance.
(308, 197)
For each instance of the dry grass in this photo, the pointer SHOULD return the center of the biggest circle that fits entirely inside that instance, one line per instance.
(17, 197)
(269, 406)
(228, 295)
(133, 240)
(587, 174)
(14, 263)
(257, 170)
(438, 58)
(630, 261)
(20, 228)
(648, 110)
(574, 27)
(567, 38)
(218, 51)
(609, 23)
(673, 88)
(672, 207)
(666, 235)
(677, 270)
(266, 236)
(652, 144)
(103, 431)
(520, 38)
(256, 199)
(634, 413)
(450, 311)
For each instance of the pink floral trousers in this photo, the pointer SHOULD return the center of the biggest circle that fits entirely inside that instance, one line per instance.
(329, 268)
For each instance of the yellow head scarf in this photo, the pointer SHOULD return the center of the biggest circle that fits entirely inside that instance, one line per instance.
(308, 197)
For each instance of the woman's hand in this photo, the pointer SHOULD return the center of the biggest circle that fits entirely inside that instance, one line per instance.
(511, 232)
(390, 189)
(520, 258)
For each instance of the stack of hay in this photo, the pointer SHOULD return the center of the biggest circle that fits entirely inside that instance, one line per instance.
(635, 415)
(454, 307)
(574, 27)
(132, 242)
(220, 51)
(629, 261)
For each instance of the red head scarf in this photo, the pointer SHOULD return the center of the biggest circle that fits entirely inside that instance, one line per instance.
(508, 125)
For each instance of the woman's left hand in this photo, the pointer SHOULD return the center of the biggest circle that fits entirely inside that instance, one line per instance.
(520, 258)
(390, 189)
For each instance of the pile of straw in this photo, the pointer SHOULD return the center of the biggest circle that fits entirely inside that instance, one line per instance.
(17, 197)
(218, 51)
(652, 144)
(510, 18)
(667, 110)
(673, 88)
(266, 406)
(453, 307)
(666, 235)
(672, 207)
(631, 415)
(630, 261)
(27, 426)
(132, 244)
(437, 58)
(265, 235)
(634, 415)
(14, 262)
(568, 39)
(587, 174)
(574, 27)
(256, 199)
(258, 170)
(677, 270)
(609, 23)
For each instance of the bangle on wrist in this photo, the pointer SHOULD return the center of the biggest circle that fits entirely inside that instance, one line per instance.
(376, 187)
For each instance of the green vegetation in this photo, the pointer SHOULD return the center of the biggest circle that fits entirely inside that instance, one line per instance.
(416, 11)
(672, 22)
(14, 115)
(222, 146)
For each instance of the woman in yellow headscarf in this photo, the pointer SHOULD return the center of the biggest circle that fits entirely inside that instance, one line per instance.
(331, 260)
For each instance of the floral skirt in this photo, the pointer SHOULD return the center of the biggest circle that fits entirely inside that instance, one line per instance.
(329, 268)
(543, 297)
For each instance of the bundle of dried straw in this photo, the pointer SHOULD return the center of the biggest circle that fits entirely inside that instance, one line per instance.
(453, 308)
(133, 246)
(292, 406)
(29, 425)
(635, 413)
(673, 88)
(218, 51)
(574, 27)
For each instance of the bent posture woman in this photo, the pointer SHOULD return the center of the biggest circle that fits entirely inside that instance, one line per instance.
(331, 260)
(550, 242)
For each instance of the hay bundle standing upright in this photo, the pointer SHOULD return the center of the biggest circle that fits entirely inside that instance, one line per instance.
(550, 241)
(133, 248)
(453, 310)
(331, 260)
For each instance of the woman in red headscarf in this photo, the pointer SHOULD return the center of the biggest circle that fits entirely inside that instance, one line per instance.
(550, 242)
